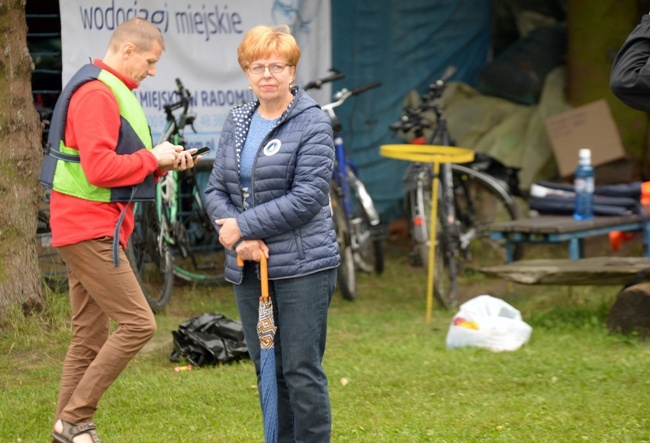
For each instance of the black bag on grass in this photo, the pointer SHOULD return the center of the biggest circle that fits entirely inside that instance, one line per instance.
(209, 339)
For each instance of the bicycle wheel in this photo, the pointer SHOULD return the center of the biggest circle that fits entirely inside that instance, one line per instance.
(151, 258)
(419, 202)
(445, 277)
(480, 201)
(446, 237)
(199, 258)
(346, 277)
(366, 235)
(465, 246)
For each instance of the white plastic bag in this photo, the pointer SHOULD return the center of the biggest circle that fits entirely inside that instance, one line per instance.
(490, 323)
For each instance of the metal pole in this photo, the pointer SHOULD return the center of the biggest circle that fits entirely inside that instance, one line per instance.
(432, 239)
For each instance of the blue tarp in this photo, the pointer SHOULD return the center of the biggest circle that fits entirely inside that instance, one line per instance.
(406, 45)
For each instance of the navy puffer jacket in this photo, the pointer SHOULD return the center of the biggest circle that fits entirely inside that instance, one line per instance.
(290, 183)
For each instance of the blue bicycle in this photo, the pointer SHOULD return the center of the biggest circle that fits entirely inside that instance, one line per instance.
(358, 227)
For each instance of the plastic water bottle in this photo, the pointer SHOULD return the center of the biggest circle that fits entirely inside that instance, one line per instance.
(584, 187)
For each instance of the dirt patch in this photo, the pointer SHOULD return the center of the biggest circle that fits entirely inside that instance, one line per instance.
(158, 342)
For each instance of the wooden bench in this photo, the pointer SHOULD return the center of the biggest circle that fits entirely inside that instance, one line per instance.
(557, 229)
(631, 310)
(577, 269)
(585, 271)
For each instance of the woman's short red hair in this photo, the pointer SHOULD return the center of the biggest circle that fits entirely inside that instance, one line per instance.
(263, 41)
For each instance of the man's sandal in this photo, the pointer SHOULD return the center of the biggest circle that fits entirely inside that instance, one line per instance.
(70, 431)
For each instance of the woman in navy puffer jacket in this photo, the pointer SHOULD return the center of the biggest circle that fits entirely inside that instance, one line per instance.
(268, 194)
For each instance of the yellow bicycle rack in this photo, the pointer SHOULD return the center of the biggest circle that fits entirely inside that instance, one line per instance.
(435, 155)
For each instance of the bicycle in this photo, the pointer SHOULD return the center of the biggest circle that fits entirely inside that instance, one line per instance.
(173, 238)
(50, 263)
(469, 200)
(357, 223)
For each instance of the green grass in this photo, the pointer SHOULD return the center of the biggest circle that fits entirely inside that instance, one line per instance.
(391, 377)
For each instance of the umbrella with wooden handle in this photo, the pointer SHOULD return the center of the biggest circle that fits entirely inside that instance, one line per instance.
(266, 332)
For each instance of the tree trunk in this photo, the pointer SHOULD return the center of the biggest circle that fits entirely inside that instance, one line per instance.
(630, 313)
(597, 31)
(20, 162)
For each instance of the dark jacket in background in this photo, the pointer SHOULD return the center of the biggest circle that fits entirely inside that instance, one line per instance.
(630, 76)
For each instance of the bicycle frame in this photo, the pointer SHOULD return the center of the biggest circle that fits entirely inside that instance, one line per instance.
(356, 220)
(166, 194)
(167, 187)
(341, 177)
(342, 162)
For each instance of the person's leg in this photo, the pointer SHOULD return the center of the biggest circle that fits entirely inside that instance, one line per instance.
(117, 292)
(90, 327)
(301, 306)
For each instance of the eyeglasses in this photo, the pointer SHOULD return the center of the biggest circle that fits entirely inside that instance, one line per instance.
(274, 68)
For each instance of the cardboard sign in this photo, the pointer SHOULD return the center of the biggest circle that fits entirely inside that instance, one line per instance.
(590, 126)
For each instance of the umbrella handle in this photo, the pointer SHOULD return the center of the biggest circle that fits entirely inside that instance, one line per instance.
(264, 274)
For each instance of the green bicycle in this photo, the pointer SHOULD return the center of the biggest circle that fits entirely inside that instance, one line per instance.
(173, 238)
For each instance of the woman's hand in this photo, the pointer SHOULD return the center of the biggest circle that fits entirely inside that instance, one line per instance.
(229, 233)
(251, 250)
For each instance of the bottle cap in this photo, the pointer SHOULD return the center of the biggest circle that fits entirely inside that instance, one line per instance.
(584, 153)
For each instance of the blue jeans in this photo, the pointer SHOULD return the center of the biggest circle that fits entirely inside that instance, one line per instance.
(300, 307)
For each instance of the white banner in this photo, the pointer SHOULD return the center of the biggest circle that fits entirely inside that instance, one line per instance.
(201, 39)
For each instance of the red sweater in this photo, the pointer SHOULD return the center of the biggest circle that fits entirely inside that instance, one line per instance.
(92, 127)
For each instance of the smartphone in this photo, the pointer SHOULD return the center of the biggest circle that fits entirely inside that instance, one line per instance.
(201, 151)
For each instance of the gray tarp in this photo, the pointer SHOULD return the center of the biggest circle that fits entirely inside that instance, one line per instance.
(512, 133)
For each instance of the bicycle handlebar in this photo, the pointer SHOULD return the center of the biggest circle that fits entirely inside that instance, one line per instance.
(344, 94)
(183, 102)
(364, 88)
(316, 84)
(177, 124)
(179, 84)
(405, 124)
(449, 72)
(411, 117)
(436, 88)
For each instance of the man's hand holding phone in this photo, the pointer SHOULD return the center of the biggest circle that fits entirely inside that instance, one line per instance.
(167, 155)
(200, 151)
(188, 158)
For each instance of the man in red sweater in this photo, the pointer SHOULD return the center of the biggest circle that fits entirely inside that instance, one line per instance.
(102, 125)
